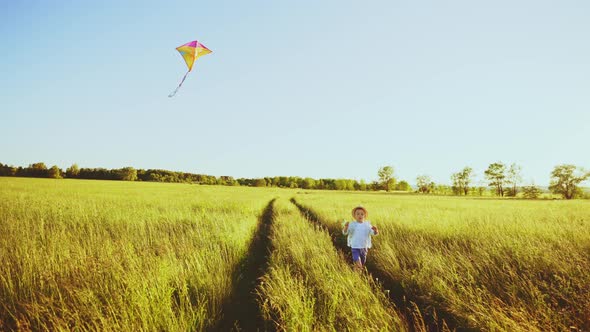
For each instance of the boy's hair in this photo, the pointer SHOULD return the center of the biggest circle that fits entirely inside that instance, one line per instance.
(360, 208)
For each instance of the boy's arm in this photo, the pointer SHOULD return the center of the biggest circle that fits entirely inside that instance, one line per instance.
(374, 230)
(345, 229)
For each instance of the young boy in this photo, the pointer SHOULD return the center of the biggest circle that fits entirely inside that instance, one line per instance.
(359, 235)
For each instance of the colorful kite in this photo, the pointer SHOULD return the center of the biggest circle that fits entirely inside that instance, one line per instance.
(190, 51)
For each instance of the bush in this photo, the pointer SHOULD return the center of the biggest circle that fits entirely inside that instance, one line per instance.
(531, 192)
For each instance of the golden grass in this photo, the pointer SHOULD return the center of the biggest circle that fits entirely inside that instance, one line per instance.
(310, 287)
(99, 255)
(107, 255)
(499, 264)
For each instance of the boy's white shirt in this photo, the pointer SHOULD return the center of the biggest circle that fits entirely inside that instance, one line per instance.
(359, 234)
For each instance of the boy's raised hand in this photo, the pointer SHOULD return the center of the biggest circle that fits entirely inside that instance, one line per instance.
(374, 228)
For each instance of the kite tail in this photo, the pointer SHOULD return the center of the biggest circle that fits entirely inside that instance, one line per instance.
(179, 85)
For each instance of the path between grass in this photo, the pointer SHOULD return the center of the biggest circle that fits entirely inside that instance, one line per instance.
(241, 312)
(421, 316)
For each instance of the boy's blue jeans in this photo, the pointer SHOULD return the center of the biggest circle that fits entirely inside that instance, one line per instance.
(359, 253)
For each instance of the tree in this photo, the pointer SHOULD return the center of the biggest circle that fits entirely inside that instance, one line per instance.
(442, 189)
(386, 178)
(73, 171)
(362, 185)
(260, 183)
(127, 174)
(390, 185)
(403, 186)
(38, 170)
(480, 190)
(308, 183)
(461, 181)
(496, 177)
(425, 184)
(54, 172)
(6, 170)
(514, 177)
(225, 180)
(565, 180)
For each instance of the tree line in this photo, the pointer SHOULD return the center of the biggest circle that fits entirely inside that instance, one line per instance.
(40, 170)
(502, 180)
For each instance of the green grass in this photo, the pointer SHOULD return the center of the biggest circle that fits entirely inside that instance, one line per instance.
(498, 264)
(310, 287)
(108, 255)
(99, 255)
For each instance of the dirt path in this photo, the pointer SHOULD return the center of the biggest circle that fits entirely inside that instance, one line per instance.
(241, 312)
(432, 318)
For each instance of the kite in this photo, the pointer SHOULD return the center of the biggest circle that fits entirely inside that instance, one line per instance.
(190, 51)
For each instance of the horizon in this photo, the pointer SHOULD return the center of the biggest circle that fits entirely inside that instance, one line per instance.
(330, 90)
(476, 181)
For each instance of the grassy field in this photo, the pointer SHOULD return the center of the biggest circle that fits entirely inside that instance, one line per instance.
(491, 264)
(107, 255)
(100, 255)
(310, 287)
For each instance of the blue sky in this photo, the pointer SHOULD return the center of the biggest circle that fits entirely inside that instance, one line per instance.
(304, 88)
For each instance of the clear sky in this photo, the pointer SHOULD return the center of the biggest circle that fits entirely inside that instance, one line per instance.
(302, 88)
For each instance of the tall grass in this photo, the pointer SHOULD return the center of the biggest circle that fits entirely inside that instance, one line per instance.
(105, 255)
(99, 255)
(309, 286)
(498, 264)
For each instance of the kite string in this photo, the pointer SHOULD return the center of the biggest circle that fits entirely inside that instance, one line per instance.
(179, 85)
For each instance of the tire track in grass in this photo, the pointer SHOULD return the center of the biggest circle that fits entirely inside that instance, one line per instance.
(241, 311)
(420, 315)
